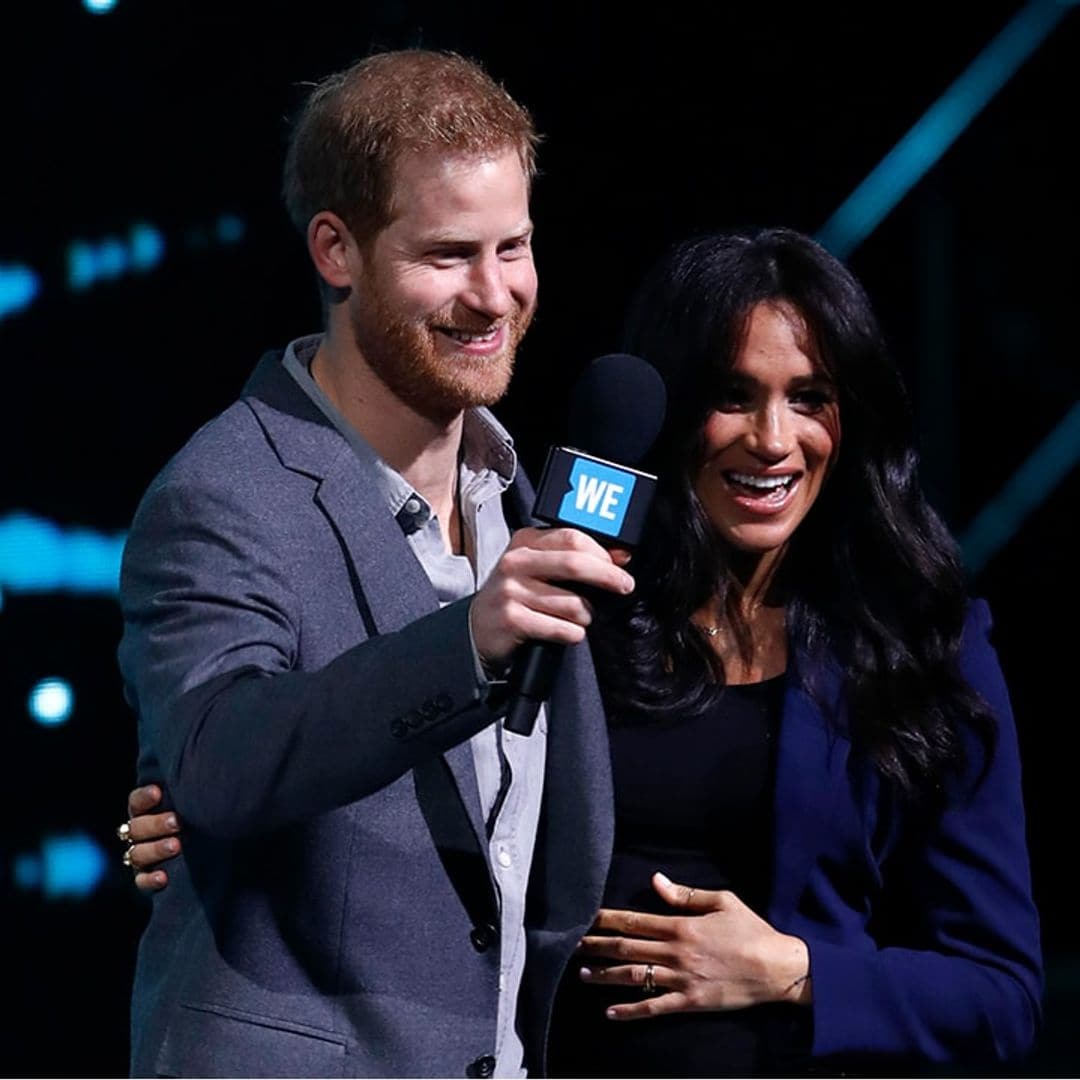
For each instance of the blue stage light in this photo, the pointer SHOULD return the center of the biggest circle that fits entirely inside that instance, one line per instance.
(942, 124)
(19, 288)
(230, 229)
(81, 265)
(1000, 519)
(147, 247)
(72, 866)
(39, 556)
(69, 865)
(112, 258)
(99, 7)
(26, 870)
(51, 702)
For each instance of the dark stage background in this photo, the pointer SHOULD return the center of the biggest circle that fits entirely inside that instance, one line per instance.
(147, 263)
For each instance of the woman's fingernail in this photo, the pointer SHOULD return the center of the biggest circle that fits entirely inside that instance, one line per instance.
(664, 879)
(170, 822)
(585, 973)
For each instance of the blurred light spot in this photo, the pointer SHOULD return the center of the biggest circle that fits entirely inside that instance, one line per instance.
(147, 247)
(99, 7)
(37, 555)
(19, 287)
(230, 229)
(73, 865)
(26, 871)
(112, 258)
(51, 702)
(939, 127)
(81, 265)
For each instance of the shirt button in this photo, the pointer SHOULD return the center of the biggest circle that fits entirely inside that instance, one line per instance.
(504, 858)
(412, 505)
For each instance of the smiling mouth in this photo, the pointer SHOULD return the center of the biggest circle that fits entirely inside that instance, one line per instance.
(766, 492)
(471, 337)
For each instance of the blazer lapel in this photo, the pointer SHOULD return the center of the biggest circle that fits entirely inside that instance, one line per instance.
(811, 766)
(389, 584)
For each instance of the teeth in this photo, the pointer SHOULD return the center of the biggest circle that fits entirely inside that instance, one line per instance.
(467, 338)
(765, 483)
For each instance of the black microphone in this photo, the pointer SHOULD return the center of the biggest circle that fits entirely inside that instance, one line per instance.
(616, 411)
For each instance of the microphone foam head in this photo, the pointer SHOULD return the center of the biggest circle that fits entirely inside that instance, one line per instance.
(617, 408)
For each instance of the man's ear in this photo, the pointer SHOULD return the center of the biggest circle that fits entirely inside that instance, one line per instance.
(333, 250)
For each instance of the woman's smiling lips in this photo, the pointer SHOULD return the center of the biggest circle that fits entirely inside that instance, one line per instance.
(765, 494)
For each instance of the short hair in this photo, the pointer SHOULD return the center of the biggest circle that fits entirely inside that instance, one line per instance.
(357, 123)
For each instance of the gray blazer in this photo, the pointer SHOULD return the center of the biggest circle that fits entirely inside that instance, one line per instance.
(308, 706)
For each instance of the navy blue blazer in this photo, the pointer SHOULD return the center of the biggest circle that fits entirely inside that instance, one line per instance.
(923, 936)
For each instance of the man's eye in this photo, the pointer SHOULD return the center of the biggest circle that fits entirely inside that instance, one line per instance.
(514, 249)
(448, 255)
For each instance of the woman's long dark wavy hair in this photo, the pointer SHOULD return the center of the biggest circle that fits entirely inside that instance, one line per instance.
(871, 577)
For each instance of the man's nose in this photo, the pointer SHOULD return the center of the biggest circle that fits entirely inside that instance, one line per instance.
(487, 290)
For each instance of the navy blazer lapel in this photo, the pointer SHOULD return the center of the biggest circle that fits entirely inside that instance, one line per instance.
(389, 584)
(811, 774)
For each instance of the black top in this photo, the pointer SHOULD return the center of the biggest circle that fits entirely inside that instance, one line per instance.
(693, 798)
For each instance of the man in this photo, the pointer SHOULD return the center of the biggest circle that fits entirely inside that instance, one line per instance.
(321, 600)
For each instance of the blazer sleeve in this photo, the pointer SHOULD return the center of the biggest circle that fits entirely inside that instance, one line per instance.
(973, 987)
(244, 741)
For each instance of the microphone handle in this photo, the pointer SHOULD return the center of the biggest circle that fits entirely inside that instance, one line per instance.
(531, 681)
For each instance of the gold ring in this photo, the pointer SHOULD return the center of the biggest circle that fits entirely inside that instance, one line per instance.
(123, 832)
(126, 859)
(649, 986)
(690, 895)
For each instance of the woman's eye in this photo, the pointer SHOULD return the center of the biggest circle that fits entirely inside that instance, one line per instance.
(732, 398)
(812, 400)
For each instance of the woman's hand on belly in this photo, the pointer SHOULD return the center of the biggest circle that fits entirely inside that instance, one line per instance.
(719, 955)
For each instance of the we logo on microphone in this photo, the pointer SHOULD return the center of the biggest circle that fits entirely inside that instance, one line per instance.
(599, 497)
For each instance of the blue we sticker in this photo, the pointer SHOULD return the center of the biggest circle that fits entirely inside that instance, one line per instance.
(598, 497)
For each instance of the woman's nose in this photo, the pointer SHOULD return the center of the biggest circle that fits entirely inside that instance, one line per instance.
(771, 434)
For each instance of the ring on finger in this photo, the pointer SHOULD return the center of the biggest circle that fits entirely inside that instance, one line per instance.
(123, 832)
(126, 858)
(649, 985)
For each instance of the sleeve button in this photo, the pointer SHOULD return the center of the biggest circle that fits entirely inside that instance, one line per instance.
(482, 1067)
(483, 937)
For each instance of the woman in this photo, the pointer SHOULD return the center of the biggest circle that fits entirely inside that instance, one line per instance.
(819, 856)
(810, 733)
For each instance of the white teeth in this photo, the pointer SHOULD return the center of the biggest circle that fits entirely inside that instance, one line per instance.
(765, 483)
(468, 339)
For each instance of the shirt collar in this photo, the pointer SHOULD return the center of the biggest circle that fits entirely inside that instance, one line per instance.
(486, 445)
